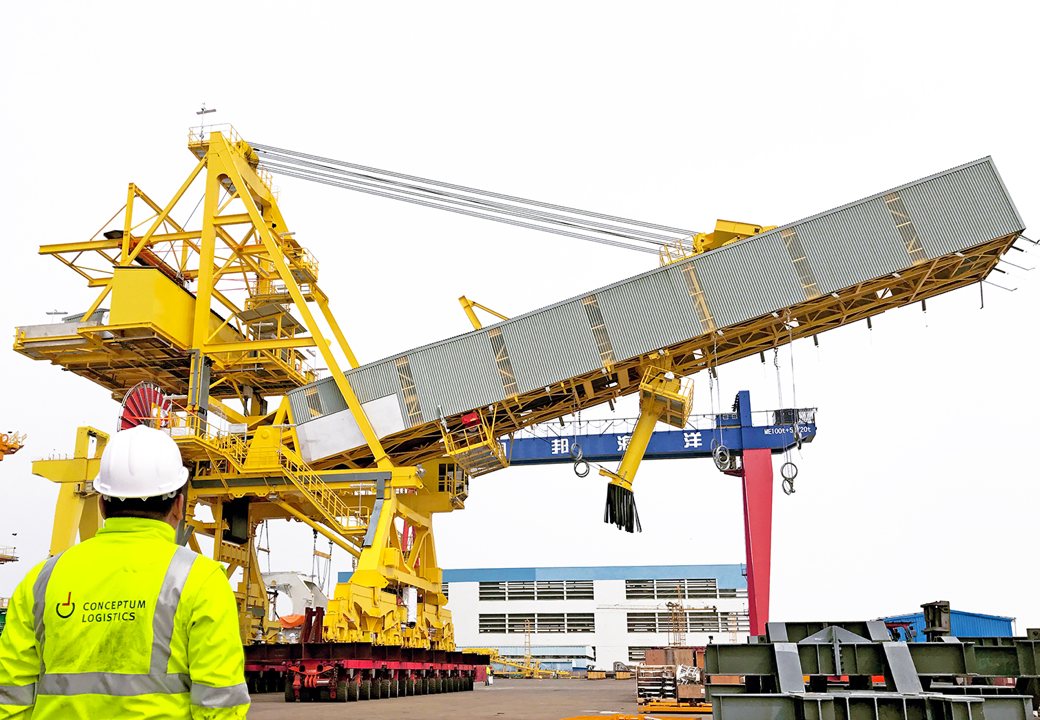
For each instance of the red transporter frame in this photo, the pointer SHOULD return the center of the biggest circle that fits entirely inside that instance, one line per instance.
(340, 672)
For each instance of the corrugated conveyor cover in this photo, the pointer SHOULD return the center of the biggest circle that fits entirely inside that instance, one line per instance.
(883, 234)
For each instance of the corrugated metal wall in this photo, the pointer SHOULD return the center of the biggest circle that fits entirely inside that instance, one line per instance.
(858, 244)
(374, 381)
(550, 345)
(642, 317)
(871, 238)
(975, 206)
(749, 279)
(456, 376)
(318, 399)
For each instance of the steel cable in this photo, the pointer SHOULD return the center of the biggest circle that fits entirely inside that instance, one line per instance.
(282, 164)
(352, 181)
(461, 211)
(262, 149)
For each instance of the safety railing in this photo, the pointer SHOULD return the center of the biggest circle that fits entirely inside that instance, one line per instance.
(334, 509)
(184, 425)
(674, 393)
(199, 135)
(303, 262)
(473, 446)
(677, 252)
(198, 138)
(701, 421)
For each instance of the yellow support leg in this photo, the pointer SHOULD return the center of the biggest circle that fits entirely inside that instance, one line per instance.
(77, 511)
(661, 398)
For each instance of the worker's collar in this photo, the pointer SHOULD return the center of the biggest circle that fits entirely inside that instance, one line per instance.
(158, 528)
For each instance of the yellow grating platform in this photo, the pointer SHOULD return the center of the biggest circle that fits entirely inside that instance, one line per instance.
(473, 446)
(665, 387)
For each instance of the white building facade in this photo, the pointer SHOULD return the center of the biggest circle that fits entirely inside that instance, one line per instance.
(580, 617)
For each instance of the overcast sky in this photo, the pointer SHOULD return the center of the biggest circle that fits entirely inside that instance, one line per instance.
(921, 484)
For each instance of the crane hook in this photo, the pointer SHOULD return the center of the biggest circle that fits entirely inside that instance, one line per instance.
(721, 456)
(789, 471)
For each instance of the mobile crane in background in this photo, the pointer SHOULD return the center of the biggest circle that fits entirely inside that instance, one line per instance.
(10, 443)
(202, 329)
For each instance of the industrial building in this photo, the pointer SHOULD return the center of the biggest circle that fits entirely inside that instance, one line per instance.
(962, 624)
(580, 617)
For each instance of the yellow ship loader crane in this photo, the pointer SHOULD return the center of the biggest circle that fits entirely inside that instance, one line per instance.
(197, 329)
(202, 325)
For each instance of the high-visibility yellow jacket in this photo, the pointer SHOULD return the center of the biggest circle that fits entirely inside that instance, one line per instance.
(124, 625)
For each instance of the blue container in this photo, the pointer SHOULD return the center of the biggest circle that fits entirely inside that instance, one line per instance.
(962, 624)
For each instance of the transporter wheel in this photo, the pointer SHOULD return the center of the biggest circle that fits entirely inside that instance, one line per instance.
(395, 687)
(290, 695)
(352, 691)
(409, 687)
(365, 690)
(469, 683)
(341, 691)
(377, 690)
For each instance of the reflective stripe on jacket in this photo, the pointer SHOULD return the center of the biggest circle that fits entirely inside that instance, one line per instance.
(124, 625)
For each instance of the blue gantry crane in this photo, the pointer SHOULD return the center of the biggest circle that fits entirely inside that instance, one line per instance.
(741, 442)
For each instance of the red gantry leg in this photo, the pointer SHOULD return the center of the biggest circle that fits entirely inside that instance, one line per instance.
(758, 531)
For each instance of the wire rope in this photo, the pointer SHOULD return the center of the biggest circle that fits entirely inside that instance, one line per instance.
(264, 149)
(461, 211)
(281, 166)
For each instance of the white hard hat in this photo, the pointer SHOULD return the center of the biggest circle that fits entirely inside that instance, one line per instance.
(140, 463)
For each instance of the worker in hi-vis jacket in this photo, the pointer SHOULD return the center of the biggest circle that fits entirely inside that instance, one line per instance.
(127, 624)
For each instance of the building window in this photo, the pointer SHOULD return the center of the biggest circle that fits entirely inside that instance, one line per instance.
(444, 590)
(520, 623)
(541, 623)
(581, 623)
(492, 591)
(491, 623)
(642, 622)
(697, 621)
(551, 623)
(637, 653)
(522, 590)
(578, 589)
(539, 590)
(549, 589)
(680, 589)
